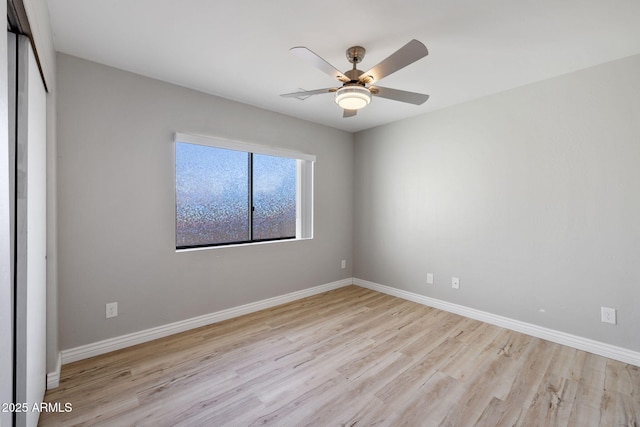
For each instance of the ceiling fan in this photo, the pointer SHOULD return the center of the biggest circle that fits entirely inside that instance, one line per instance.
(356, 90)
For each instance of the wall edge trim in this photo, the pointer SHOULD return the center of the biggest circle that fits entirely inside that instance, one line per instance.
(53, 377)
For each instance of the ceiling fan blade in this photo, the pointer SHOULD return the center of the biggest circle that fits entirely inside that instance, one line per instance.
(349, 113)
(399, 95)
(407, 54)
(318, 62)
(305, 93)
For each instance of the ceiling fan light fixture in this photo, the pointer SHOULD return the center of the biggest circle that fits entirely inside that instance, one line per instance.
(353, 97)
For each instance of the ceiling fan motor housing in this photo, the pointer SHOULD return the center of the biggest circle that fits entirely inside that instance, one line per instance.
(353, 75)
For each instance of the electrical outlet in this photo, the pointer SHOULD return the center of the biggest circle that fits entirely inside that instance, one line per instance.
(429, 278)
(455, 283)
(112, 310)
(608, 315)
(344, 263)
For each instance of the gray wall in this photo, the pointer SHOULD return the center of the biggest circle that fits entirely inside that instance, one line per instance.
(116, 205)
(529, 196)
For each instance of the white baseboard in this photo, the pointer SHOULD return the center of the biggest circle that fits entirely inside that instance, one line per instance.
(580, 343)
(117, 343)
(53, 378)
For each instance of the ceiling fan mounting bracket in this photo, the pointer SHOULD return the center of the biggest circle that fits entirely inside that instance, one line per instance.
(355, 54)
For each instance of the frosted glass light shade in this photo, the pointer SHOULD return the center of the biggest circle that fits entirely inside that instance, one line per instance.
(353, 97)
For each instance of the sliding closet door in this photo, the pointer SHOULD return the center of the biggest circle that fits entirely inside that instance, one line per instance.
(7, 203)
(31, 242)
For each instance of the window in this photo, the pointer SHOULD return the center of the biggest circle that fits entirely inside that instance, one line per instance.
(235, 193)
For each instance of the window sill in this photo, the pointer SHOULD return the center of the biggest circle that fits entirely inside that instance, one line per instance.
(239, 245)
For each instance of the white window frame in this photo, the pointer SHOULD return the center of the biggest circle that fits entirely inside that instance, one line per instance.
(304, 181)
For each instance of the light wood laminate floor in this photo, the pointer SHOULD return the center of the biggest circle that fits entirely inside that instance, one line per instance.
(349, 357)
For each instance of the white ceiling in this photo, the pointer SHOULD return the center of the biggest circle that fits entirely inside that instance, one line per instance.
(239, 49)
